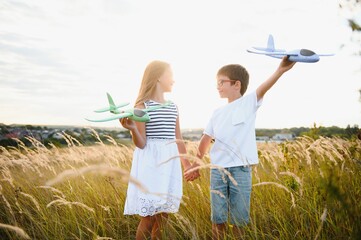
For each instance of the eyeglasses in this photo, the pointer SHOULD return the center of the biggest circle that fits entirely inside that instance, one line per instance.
(220, 82)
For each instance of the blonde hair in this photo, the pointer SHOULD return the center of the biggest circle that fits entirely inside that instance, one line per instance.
(152, 73)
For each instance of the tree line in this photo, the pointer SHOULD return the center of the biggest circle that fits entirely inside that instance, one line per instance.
(315, 132)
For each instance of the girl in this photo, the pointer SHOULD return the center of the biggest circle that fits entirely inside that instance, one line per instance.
(153, 159)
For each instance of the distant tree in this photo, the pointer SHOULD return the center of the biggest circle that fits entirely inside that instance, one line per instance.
(351, 131)
(351, 10)
(314, 132)
(8, 142)
(298, 131)
(30, 127)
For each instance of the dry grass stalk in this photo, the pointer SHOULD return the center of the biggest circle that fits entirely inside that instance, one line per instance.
(111, 140)
(7, 176)
(255, 171)
(218, 193)
(9, 207)
(298, 180)
(105, 208)
(202, 165)
(53, 189)
(20, 232)
(101, 169)
(96, 135)
(32, 199)
(200, 191)
(60, 202)
(21, 145)
(280, 186)
(186, 156)
(188, 227)
(4, 153)
(221, 169)
(323, 219)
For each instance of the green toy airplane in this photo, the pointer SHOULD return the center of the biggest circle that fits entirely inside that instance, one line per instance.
(136, 114)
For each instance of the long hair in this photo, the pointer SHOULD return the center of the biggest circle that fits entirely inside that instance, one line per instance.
(152, 73)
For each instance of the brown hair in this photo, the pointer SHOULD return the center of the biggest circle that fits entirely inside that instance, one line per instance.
(236, 72)
(152, 73)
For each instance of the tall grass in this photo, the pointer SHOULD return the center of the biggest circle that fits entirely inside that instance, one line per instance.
(303, 189)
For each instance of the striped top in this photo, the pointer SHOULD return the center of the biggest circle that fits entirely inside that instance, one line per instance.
(162, 121)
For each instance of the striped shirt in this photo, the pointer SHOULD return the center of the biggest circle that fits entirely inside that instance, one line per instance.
(162, 122)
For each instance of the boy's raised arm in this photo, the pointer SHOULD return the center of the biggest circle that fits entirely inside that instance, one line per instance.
(284, 66)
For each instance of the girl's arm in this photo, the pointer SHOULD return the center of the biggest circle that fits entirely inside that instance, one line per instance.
(201, 151)
(181, 146)
(138, 135)
(182, 150)
(137, 130)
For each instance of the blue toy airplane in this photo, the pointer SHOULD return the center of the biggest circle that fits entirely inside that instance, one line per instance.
(136, 114)
(298, 55)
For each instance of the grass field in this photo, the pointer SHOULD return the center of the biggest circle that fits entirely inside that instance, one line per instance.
(303, 189)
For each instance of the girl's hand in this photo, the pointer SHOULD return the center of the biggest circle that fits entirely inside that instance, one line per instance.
(127, 123)
(190, 174)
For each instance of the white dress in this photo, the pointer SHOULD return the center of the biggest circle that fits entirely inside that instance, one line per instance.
(157, 167)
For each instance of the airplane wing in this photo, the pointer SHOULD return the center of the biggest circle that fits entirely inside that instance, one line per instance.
(156, 107)
(275, 53)
(326, 54)
(110, 118)
(108, 108)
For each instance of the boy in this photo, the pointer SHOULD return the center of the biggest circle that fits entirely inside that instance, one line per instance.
(234, 150)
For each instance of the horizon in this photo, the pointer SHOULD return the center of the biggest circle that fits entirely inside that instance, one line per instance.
(183, 129)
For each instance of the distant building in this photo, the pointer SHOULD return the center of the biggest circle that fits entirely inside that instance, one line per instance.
(262, 138)
(122, 135)
(57, 135)
(192, 134)
(283, 137)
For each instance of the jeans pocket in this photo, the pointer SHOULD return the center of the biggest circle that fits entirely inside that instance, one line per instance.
(246, 169)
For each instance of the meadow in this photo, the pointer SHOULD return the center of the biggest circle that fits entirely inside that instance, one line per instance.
(302, 189)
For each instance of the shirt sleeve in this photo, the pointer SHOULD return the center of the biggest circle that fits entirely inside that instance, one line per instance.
(209, 128)
(246, 108)
(259, 102)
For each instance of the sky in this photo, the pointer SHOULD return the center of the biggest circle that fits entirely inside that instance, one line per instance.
(58, 59)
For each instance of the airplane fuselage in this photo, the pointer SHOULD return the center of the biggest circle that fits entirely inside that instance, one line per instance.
(300, 55)
(139, 115)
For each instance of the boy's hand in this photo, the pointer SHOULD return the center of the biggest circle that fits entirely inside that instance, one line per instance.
(285, 65)
(190, 174)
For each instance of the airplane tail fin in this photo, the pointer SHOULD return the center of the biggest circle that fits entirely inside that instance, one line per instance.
(270, 45)
(112, 107)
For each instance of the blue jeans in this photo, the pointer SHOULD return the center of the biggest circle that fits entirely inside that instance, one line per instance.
(228, 199)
